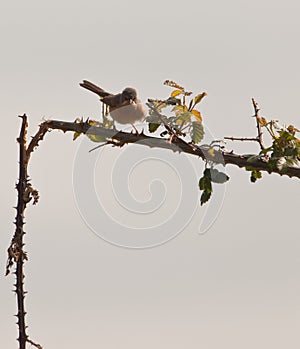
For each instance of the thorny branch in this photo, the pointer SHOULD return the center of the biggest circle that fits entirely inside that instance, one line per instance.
(121, 138)
(258, 125)
(16, 253)
(35, 140)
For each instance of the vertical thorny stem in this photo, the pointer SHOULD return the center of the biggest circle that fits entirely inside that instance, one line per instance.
(19, 234)
(16, 253)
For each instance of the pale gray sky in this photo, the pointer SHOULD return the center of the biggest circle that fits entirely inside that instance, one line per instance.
(237, 285)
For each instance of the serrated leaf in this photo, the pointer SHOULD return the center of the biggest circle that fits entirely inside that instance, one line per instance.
(205, 181)
(197, 132)
(205, 196)
(197, 114)
(173, 84)
(205, 185)
(199, 97)
(176, 93)
(202, 183)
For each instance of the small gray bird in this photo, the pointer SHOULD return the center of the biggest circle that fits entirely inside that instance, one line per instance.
(124, 107)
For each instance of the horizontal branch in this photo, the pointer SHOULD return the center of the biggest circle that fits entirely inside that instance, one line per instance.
(119, 138)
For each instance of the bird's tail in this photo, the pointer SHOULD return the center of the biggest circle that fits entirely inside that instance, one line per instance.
(94, 88)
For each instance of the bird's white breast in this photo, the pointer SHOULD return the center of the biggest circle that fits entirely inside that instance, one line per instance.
(129, 114)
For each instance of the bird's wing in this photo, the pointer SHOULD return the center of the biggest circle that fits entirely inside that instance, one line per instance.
(94, 88)
(114, 101)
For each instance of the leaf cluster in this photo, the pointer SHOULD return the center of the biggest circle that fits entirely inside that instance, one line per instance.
(210, 175)
(184, 120)
(285, 148)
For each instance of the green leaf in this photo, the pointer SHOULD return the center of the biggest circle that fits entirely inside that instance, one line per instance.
(184, 117)
(205, 185)
(218, 177)
(255, 175)
(207, 172)
(153, 127)
(197, 132)
(199, 98)
(205, 196)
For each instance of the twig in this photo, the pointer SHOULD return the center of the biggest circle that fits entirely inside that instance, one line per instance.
(34, 344)
(98, 146)
(258, 125)
(242, 139)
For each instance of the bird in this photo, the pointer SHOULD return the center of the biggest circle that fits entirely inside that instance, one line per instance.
(124, 107)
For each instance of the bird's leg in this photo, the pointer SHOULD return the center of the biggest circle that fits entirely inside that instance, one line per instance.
(103, 111)
(136, 130)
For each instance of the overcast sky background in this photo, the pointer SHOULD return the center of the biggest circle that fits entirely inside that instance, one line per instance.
(236, 285)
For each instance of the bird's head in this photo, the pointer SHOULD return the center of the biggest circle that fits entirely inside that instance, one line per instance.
(129, 94)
